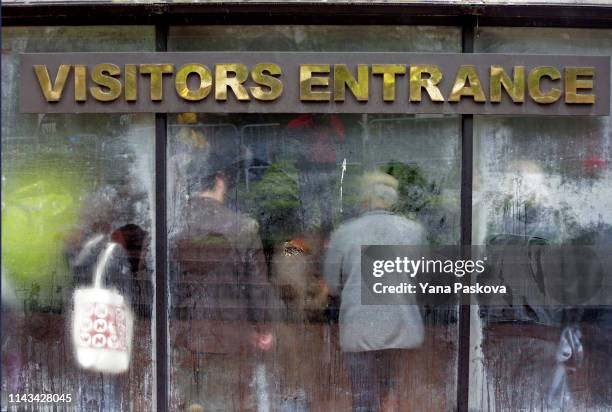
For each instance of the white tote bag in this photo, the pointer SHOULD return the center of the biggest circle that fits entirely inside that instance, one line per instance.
(102, 324)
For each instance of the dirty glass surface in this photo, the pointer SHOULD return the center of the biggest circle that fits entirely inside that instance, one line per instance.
(71, 186)
(544, 180)
(261, 208)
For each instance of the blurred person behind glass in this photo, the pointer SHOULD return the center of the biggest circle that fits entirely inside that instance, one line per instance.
(373, 337)
(318, 137)
(530, 345)
(220, 292)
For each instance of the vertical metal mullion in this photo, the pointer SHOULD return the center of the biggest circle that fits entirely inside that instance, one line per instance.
(467, 163)
(161, 247)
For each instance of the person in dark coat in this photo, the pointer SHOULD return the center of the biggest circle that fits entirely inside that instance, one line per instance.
(220, 294)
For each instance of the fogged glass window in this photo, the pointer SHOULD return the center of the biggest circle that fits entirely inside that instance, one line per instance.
(543, 181)
(265, 213)
(77, 198)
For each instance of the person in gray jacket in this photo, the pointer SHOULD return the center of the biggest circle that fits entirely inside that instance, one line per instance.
(372, 336)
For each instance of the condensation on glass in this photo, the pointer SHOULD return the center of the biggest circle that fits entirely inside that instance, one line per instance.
(71, 185)
(253, 200)
(546, 181)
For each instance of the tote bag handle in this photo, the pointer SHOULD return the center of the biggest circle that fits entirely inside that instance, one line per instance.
(103, 259)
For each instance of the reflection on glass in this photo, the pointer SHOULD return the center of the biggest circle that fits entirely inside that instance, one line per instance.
(298, 177)
(315, 38)
(254, 200)
(73, 187)
(543, 181)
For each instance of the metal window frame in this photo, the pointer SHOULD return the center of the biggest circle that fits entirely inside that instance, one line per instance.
(162, 354)
(466, 17)
(247, 12)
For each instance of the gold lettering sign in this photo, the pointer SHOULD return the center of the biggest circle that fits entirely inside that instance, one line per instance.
(180, 81)
(515, 88)
(417, 82)
(533, 84)
(269, 82)
(467, 83)
(308, 81)
(573, 84)
(343, 77)
(156, 71)
(389, 72)
(266, 74)
(103, 75)
(52, 92)
(223, 81)
(131, 83)
(80, 83)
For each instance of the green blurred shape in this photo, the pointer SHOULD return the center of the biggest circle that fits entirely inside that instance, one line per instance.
(41, 207)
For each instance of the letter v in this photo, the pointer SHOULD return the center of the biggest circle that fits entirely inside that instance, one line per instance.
(52, 93)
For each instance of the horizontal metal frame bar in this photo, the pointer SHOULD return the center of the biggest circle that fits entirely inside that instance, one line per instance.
(305, 13)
